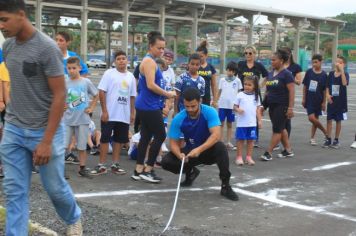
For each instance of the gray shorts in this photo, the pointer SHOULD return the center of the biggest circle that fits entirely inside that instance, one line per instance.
(81, 133)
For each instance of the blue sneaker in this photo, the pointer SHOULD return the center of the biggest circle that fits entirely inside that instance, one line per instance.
(335, 144)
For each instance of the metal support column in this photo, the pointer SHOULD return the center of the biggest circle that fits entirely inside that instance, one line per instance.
(274, 34)
(125, 26)
(38, 15)
(297, 25)
(194, 29)
(84, 31)
(108, 43)
(335, 43)
(223, 43)
(250, 30)
(162, 19)
(317, 38)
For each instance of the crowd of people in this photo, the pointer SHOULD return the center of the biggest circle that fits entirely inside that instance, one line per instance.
(51, 101)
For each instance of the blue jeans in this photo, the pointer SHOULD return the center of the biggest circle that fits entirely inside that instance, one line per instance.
(16, 153)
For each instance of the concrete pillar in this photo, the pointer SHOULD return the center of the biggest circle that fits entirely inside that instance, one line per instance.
(125, 26)
(194, 29)
(250, 30)
(175, 47)
(162, 20)
(335, 43)
(274, 34)
(223, 43)
(297, 25)
(317, 38)
(38, 15)
(84, 31)
(108, 43)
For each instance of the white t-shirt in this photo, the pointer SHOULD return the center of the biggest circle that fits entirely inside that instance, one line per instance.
(229, 90)
(169, 78)
(119, 88)
(248, 103)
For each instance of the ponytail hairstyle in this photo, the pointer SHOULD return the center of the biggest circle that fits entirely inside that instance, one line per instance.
(290, 54)
(254, 79)
(203, 47)
(282, 55)
(153, 36)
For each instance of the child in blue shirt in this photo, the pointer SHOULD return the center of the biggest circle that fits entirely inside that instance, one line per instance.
(189, 79)
(314, 99)
(336, 95)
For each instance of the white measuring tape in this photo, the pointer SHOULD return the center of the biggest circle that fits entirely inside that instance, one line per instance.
(176, 198)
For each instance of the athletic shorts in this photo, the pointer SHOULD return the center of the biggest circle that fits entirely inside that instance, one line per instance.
(226, 114)
(119, 131)
(336, 116)
(314, 110)
(80, 132)
(277, 114)
(246, 133)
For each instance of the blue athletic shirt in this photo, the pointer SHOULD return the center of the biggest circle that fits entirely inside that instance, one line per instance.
(338, 93)
(195, 131)
(84, 69)
(147, 100)
(315, 84)
(185, 81)
(295, 69)
(277, 91)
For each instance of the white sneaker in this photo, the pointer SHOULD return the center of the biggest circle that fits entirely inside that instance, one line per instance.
(75, 229)
(353, 145)
(313, 142)
(230, 146)
(164, 148)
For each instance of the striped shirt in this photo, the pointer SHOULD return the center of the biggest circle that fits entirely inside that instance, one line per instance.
(30, 64)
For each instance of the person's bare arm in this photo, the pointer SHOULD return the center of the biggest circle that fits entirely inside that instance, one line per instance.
(132, 109)
(175, 148)
(304, 96)
(2, 97)
(104, 110)
(215, 134)
(92, 105)
(298, 78)
(42, 152)
(214, 89)
(6, 91)
(290, 87)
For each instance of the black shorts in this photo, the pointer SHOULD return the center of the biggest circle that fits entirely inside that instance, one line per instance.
(277, 113)
(119, 132)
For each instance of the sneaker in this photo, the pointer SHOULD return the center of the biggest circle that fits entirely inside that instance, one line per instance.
(70, 158)
(75, 229)
(266, 156)
(189, 178)
(94, 151)
(285, 153)
(335, 144)
(99, 170)
(164, 148)
(250, 161)
(35, 170)
(327, 143)
(353, 145)
(230, 146)
(229, 193)
(1, 172)
(277, 147)
(85, 173)
(239, 161)
(313, 142)
(136, 175)
(150, 177)
(116, 169)
(256, 144)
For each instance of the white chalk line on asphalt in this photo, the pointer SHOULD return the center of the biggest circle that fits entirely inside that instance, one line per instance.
(330, 166)
(267, 198)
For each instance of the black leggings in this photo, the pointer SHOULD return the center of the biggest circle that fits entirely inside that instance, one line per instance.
(216, 154)
(151, 126)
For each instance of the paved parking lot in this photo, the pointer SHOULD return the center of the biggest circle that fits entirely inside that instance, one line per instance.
(310, 194)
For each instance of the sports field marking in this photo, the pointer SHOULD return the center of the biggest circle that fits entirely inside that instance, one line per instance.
(330, 166)
(261, 196)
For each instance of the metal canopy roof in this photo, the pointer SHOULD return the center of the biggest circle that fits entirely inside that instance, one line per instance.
(147, 11)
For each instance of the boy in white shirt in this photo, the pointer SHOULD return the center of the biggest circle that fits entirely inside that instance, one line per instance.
(228, 90)
(117, 92)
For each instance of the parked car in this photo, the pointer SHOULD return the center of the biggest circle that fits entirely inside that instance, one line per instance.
(96, 63)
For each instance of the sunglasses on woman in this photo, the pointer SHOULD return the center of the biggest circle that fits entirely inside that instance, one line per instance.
(248, 53)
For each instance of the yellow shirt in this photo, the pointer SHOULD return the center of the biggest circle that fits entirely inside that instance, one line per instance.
(4, 73)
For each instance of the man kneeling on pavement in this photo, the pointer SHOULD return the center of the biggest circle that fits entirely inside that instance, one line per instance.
(199, 125)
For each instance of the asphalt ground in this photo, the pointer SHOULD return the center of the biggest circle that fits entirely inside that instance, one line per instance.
(310, 194)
